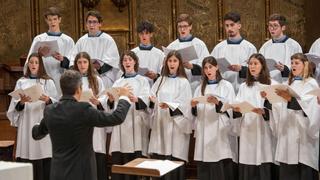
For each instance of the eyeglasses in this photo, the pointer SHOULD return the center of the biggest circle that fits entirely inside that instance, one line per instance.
(183, 26)
(273, 26)
(92, 22)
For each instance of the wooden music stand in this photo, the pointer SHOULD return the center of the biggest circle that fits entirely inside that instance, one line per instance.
(131, 169)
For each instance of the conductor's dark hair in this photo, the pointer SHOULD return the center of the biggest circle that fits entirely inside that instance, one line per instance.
(278, 17)
(232, 16)
(94, 13)
(70, 81)
(264, 75)
(145, 26)
(52, 11)
(211, 60)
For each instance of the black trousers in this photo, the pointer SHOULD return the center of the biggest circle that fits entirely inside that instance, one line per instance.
(225, 169)
(123, 158)
(297, 172)
(41, 168)
(177, 174)
(101, 161)
(254, 172)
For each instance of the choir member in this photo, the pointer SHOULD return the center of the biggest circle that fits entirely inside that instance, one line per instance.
(279, 48)
(56, 63)
(297, 129)
(130, 140)
(149, 56)
(171, 124)
(235, 49)
(215, 146)
(91, 80)
(101, 47)
(24, 114)
(186, 39)
(256, 150)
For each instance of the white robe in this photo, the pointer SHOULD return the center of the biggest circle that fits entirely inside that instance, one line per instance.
(102, 48)
(52, 65)
(281, 52)
(256, 139)
(151, 59)
(132, 134)
(315, 49)
(99, 133)
(202, 52)
(170, 135)
(27, 147)
(298, 136)
(235, 54)
(214, 138)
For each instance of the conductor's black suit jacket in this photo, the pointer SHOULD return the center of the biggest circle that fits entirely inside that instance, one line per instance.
(70, 126)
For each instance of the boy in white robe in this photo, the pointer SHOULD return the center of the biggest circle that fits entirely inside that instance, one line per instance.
(193, 67)
(235, 49)
(24, 114)
(279, 48)
(149, 56)
(101, 47)
(57, 62)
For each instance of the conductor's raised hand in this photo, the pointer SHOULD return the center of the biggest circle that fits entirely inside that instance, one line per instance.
(111, 98)
(125, 91)
(24, 99)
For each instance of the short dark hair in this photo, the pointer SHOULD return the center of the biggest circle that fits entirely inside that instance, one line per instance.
(278, 17)
(185, 17)
(232, 16)
(52, 11)
(94, 13)
(145, 26)
(70, 81)
(133, 56)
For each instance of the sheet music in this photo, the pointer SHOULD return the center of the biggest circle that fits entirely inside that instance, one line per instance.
(271, 63)
(272, 95)
(172, 106)
(52, 45)
(164, 166)
(188, 53)
(313, 58)
(34, 92)
(245, 106)
(86, 95)
(223, 64)
(203, 99)
(315, 92)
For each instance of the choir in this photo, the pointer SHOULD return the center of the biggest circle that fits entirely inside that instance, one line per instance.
(175, 97)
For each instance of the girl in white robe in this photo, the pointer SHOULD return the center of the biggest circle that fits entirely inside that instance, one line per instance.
(24, 114)
(297, 129)
(171, 124)
(90, 80)
(256, 150)
(215, 146)
(130, 140)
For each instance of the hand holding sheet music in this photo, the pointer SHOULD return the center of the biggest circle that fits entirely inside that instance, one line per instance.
(272, 95)
(204, 99)
(188, 53)
(245, 107)
(34, 92)
(48, 48)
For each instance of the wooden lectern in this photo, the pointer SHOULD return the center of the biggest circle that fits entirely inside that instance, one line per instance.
(131, 168)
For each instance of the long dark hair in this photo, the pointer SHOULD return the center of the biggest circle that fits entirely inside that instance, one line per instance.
(211, 60)
(91, 73)
(307, 70)
(133, 56)
(165, 69)
(42, 73)
(264, 76)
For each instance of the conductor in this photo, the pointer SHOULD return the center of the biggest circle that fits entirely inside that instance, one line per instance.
(70, 125)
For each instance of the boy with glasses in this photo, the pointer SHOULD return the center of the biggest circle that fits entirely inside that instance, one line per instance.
(186, 39)
(279, 48)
